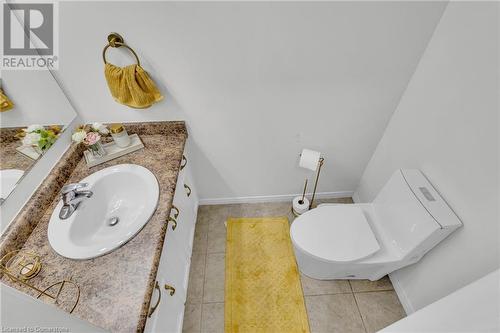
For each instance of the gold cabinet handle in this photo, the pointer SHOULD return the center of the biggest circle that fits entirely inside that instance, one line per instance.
(172, 289)
(153, 308)
(173, 221)
(177, 211)
(188, 189)
(184, 162)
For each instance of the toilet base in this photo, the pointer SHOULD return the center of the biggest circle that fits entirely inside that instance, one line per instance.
(323, 270)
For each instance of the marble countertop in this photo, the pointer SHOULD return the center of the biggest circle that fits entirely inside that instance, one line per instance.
(115, 289)
(10, 158)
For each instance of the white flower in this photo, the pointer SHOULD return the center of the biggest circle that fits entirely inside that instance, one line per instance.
(100, 128)
(32, 128)
(78, 136)
(31, 139)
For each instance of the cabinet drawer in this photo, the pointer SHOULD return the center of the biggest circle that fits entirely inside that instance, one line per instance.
(190, 189)
(182, 215)
(169, 295)
(184, 231)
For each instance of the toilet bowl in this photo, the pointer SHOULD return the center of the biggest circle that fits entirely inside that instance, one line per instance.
(369, 240)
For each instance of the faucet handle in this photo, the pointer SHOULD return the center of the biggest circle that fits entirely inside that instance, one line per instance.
(72, 187)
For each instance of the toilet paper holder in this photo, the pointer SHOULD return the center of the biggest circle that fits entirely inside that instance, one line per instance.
(319, 165)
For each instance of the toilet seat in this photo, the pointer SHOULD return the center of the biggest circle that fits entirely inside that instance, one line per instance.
(338, 233)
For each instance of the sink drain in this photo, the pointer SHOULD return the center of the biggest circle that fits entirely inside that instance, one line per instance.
(113, 221)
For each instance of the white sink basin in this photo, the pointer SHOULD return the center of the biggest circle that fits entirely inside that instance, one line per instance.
(128, 192)
(8, 181)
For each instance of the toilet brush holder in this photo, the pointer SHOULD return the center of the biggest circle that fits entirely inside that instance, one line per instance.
(300, 205)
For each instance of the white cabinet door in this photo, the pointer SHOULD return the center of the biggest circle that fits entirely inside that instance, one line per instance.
(167, 311)
(174, 266)
(170, 314)
(170, 290)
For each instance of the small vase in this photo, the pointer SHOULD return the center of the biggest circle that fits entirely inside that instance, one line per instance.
(97, 149)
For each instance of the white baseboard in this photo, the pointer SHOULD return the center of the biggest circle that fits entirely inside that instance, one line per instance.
(272, 198)
(403, 298)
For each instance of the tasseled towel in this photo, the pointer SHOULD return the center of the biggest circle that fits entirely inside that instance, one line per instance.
(131, 86)
(5, 103)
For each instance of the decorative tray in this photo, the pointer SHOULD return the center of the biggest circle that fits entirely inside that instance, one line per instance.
(113, 151)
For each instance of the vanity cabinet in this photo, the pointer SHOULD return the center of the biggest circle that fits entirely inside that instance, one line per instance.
(169, 295)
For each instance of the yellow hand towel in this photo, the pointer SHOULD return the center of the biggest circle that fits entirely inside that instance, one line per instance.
(5, 103)
(131, 86)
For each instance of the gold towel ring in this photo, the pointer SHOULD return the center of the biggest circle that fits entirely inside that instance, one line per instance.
(115, 40)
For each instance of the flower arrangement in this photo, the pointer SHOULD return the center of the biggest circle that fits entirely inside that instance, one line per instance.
(39, 137)
(90, 136)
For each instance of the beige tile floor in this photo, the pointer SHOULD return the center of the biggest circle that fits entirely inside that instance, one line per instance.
(332, 306)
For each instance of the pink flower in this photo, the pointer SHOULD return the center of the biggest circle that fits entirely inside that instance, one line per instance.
(91, 138)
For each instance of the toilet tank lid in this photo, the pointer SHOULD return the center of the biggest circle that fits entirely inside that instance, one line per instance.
(430, 199)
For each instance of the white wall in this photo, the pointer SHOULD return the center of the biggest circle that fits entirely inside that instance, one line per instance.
(447, 125)
(37, 98)
(256, 82)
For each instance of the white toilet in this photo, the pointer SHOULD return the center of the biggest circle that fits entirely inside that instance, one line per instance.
(367, 241)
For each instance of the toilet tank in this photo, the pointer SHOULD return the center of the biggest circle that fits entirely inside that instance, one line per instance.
(411, 212)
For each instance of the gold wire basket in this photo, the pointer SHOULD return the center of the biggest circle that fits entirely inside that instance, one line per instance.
(21, 266)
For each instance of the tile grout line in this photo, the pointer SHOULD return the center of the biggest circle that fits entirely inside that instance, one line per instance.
(204, 277)
(214, 302)
(357, 306)
(372, 291)
(359, 312)
(329, 294)
(218, 252)
(203, 288)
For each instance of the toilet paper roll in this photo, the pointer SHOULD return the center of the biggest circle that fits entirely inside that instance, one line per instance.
(300, 207)
(309, 159)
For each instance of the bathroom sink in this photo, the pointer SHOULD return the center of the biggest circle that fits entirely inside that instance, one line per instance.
(124, 198)
(8, 181)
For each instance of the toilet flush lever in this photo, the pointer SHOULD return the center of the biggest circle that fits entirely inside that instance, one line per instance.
(427, 194)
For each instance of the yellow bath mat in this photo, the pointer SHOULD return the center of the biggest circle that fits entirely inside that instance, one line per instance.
(263, 291)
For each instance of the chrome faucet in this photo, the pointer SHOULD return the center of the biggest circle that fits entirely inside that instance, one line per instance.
(72, 196)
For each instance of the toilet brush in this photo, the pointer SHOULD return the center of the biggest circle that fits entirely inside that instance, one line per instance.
(303, 193)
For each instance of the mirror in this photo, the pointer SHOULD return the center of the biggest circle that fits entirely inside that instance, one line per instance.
(34, 113)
